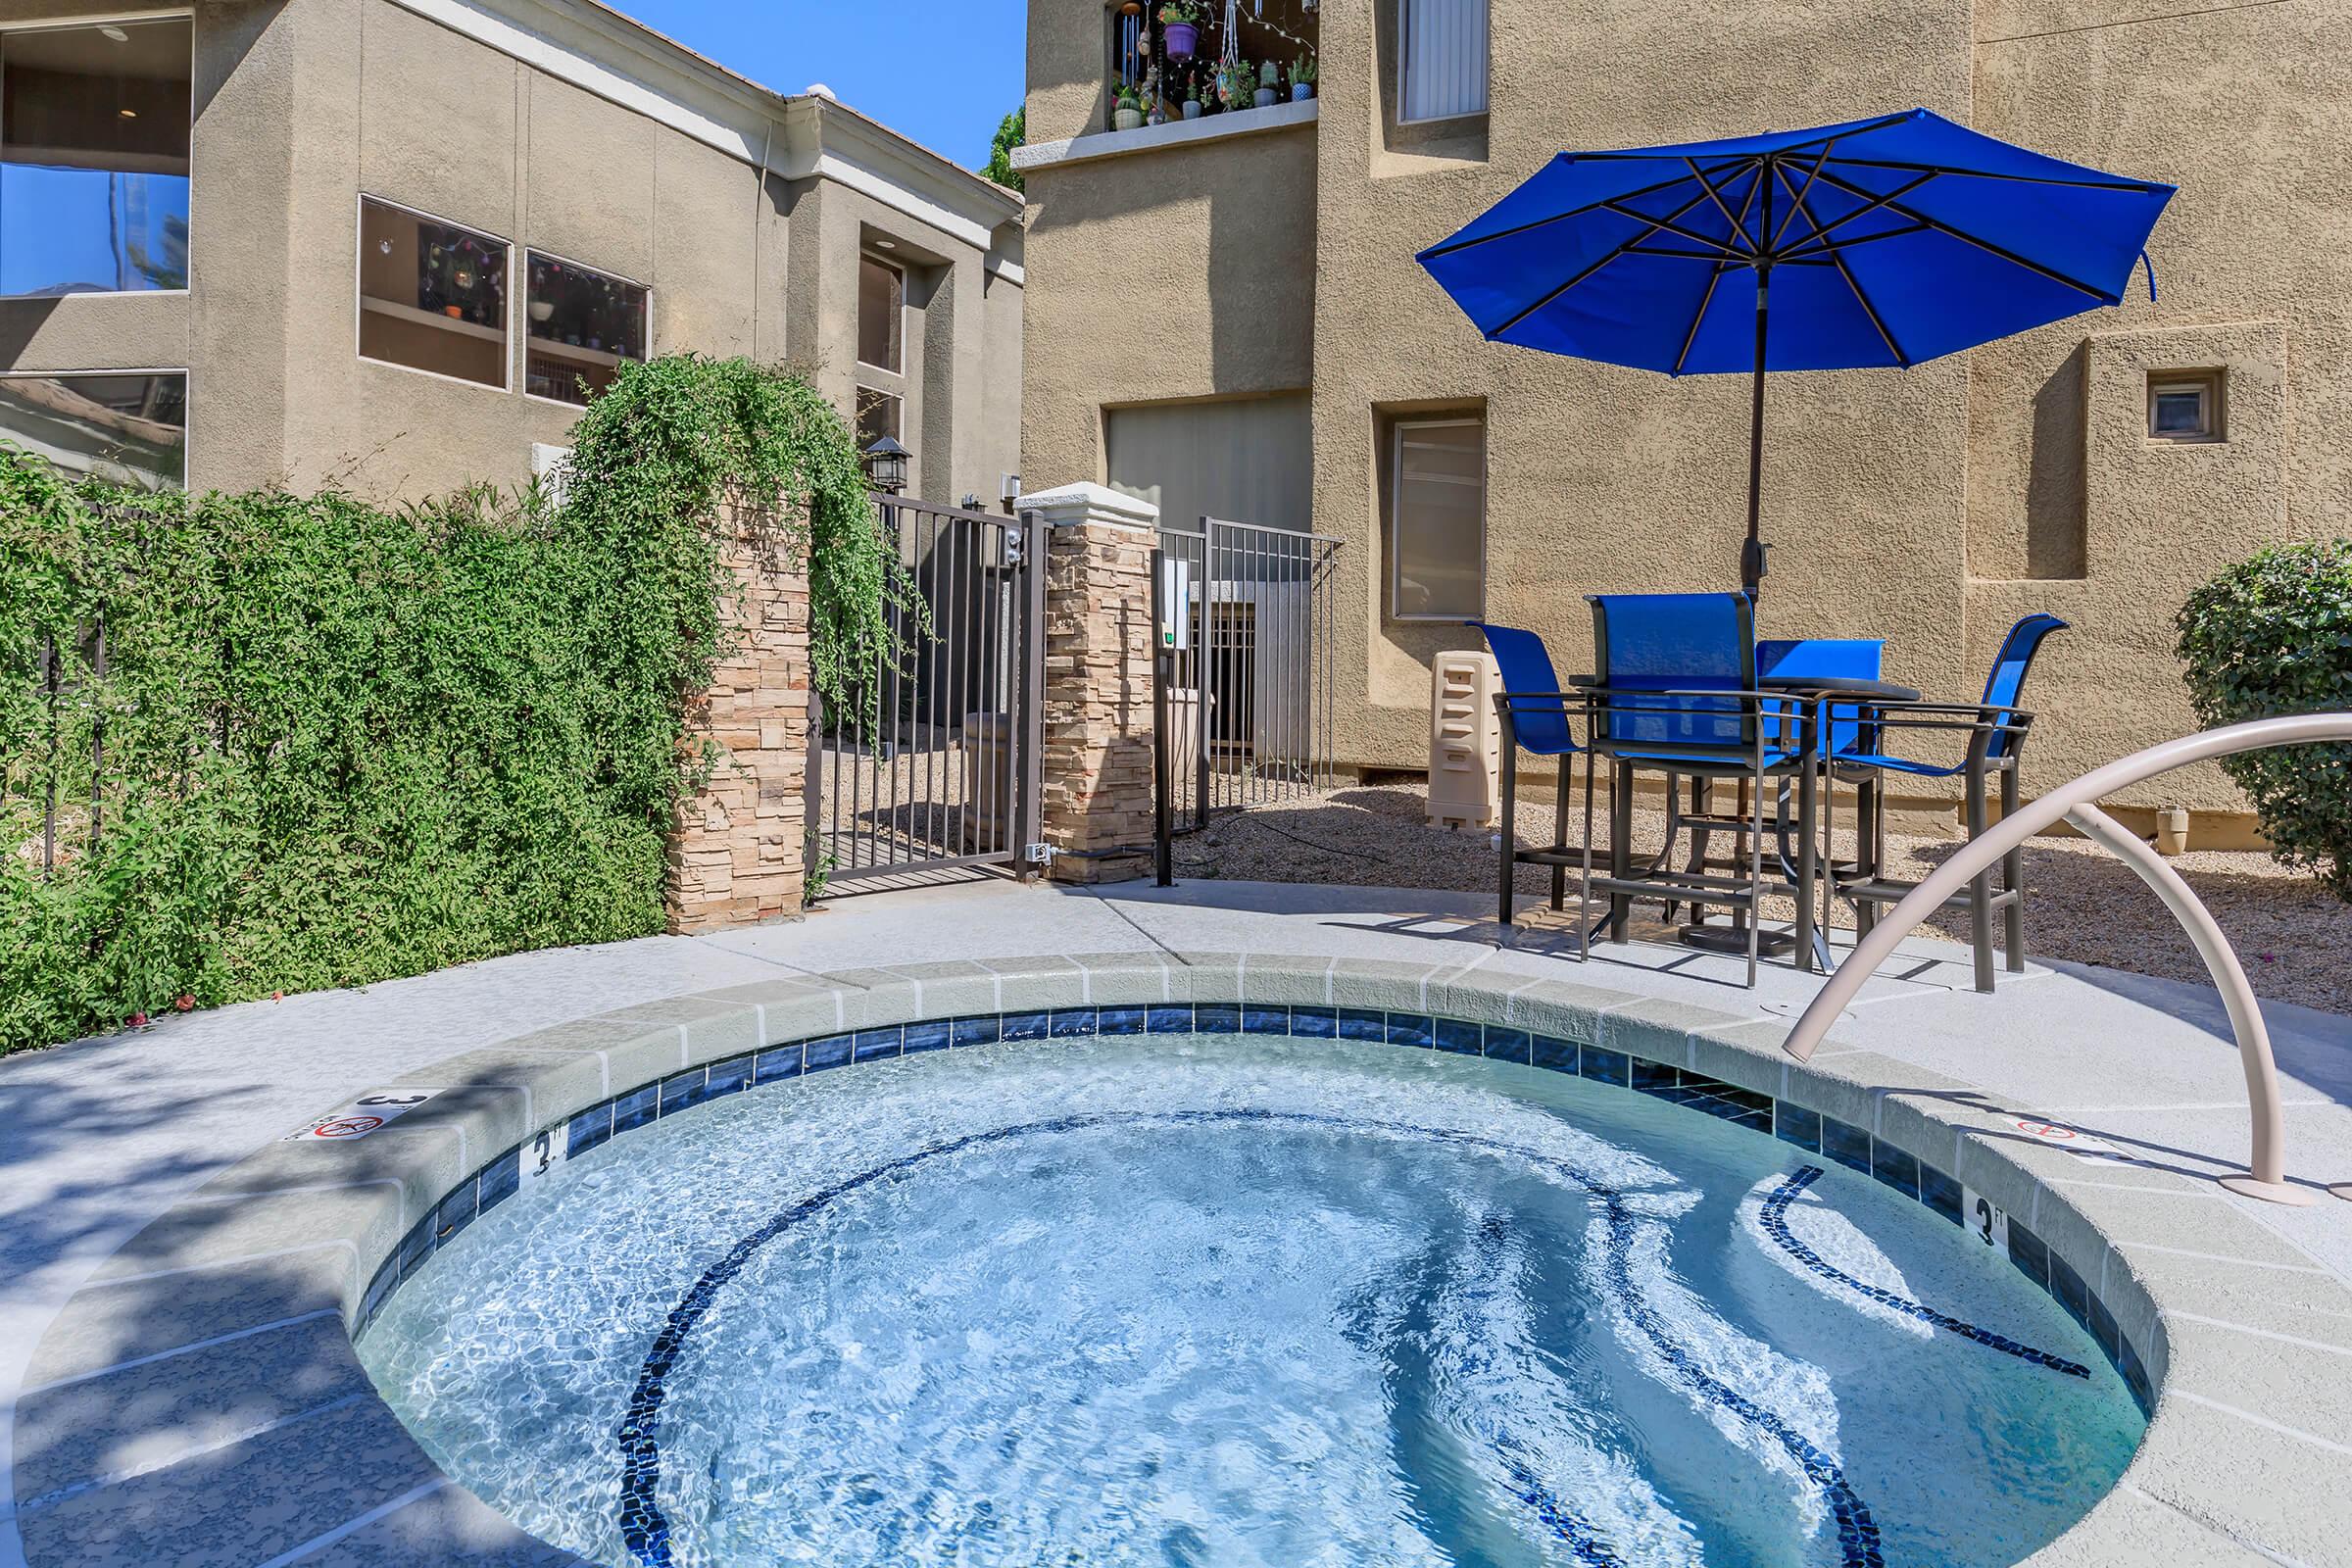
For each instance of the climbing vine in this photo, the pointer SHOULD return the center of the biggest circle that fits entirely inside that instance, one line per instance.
(260, 743)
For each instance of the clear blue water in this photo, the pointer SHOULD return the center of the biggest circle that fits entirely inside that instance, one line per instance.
(1236, 1301)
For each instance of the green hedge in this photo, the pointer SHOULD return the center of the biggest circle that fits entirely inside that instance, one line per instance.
(320, 743)
(2273, 635)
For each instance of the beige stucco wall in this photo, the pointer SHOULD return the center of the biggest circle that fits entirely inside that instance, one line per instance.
(303, 105)
(1931, 507)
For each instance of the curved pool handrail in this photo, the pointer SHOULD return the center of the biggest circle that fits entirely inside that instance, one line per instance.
(2077, 802)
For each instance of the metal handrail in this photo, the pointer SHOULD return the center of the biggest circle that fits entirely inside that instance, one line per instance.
(2077, 803)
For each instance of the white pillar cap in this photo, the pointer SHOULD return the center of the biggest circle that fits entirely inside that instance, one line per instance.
(1072, 506)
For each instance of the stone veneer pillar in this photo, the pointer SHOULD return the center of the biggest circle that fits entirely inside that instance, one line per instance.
(739, 851)
(1098, 686)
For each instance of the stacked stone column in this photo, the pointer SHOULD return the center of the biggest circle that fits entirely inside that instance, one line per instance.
(1097, 804)
(738, 854)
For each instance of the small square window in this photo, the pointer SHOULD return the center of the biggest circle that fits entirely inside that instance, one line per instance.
(881, 306)
(2185, 406)
(1438, 518)
(583, 324)
(879, 415)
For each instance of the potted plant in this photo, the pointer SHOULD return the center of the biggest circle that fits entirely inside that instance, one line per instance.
(1268, 72)
(1196, 100)
(1303, 79)
(1127, 109)
(1181, 21)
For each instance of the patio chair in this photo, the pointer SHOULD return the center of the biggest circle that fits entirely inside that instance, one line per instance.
(1996, 728)
(1676, 693)
(1535, 718)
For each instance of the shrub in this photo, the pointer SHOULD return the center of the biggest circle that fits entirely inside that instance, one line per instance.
(2268, 636)
(262, 742)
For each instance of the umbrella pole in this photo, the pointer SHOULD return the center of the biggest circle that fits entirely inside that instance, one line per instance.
(1751, 552)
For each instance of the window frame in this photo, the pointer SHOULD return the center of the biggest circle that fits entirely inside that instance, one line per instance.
(524, 338)
(1397, 426)
(898, 330)
(2210, 385)
(112, 19)
(188, 396)
(358, 309)
(1405, 65)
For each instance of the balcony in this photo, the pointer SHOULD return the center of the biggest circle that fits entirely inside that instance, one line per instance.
(1183, 72)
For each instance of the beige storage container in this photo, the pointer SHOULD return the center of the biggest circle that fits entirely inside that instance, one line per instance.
(1465, 740)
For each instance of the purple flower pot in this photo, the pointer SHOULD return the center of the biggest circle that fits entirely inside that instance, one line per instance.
(1184, 40)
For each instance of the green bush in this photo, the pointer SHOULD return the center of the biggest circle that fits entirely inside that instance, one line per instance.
(288, 742)
(2268, 636)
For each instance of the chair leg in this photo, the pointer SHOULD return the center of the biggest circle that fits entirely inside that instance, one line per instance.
(1584, 894)
(1866, 851)
(2013, 881)
(1559, 835)
(1808, 810)
(1506, 828)
(1979, 890)
(1621, 832)
(1753, 909)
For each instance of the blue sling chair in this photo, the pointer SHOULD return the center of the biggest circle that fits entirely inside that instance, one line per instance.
(1996, 728)
(1676, 692)
(1535, 718)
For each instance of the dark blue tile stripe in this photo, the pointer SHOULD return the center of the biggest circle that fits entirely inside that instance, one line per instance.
(1847, 1144)
(1776, 1225)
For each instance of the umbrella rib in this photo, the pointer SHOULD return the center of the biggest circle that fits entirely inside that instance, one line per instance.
(1596, 266)
(1449, 247)
(1818, 238)
(1706, 300)
(1861, 298)
(1811, 176)
(1722, 247)
(1738, 223)
(2130, 186)
(1965, 238)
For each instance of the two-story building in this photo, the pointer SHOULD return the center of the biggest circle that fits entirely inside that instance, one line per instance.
(396, 244)
(1228, 320)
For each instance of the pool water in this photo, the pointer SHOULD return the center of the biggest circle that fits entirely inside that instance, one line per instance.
(1228, 1299)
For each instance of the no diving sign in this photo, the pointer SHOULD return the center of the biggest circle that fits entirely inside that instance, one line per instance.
(363, 1115)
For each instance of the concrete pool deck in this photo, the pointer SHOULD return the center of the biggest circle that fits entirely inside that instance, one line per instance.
(114, 1453)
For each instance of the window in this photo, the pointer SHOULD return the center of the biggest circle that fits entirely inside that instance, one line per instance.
(128, 426)
(881, 313)
(879, 415)
(1442, 60)
(1438, 520)
(94, 158)
(582, 325)
(432, 295)
(2185, 406)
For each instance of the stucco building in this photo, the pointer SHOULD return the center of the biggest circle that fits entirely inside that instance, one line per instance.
(395, 244)
(1228, 319)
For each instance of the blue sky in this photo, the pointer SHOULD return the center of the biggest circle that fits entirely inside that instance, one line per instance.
(942, 72)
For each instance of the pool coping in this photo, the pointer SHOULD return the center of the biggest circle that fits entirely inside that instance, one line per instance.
(198, 1399)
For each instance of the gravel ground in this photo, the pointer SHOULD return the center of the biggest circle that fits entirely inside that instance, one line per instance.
(2293, 936)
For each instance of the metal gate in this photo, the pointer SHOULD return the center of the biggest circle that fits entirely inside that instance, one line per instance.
(1245, 621)
(934, 764)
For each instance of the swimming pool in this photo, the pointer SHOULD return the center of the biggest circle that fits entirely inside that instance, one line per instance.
(1272, 1298)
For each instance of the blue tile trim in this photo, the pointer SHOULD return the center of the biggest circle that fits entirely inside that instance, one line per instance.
(1853, 1146)
(1794, 1124)
(1410, 1029)
(1847, 1144)
(1776, 1225)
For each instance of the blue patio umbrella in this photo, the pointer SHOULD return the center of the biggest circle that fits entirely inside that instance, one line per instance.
(1887, 241)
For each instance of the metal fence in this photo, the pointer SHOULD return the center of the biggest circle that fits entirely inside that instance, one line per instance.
(1245, 622)
(934, 763)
